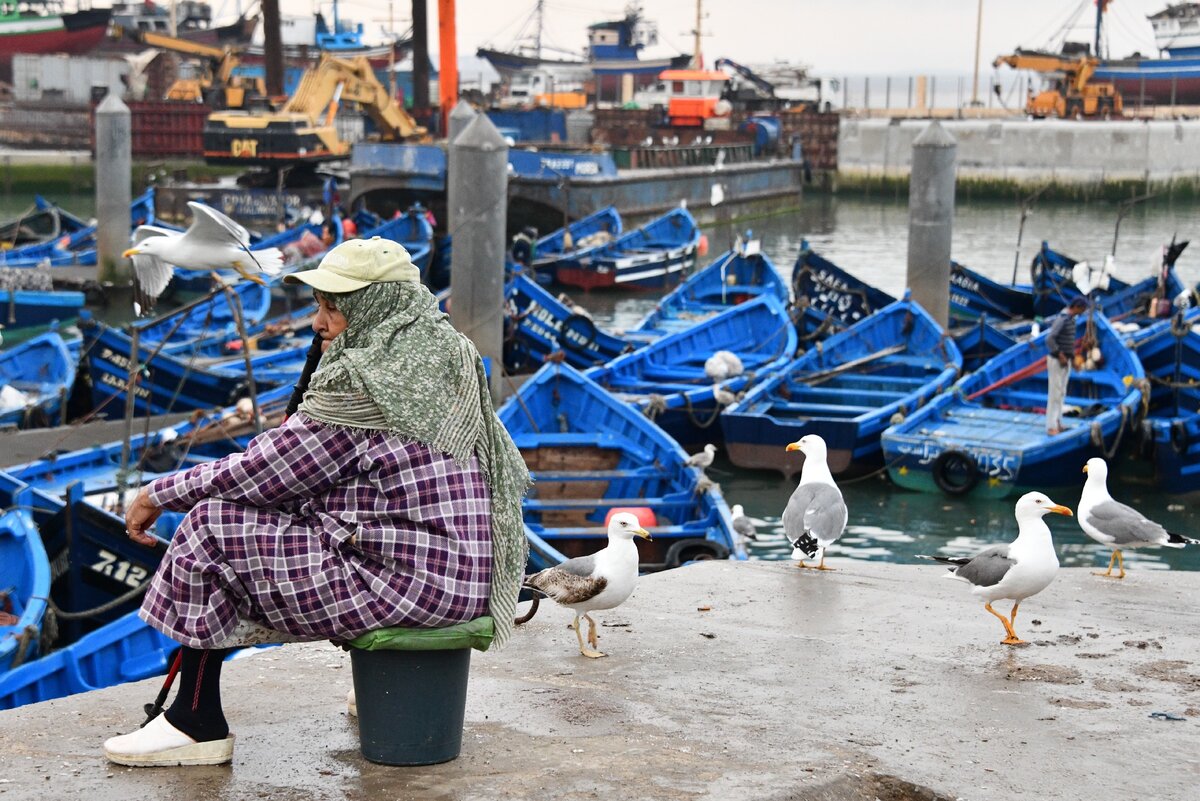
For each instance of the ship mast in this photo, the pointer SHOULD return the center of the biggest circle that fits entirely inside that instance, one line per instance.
(697, 58)
(1100, 4)
(538, 38)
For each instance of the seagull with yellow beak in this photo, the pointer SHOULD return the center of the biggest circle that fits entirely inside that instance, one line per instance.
(602, 580)
(212, 242)
(1016, 570)
(816, 514)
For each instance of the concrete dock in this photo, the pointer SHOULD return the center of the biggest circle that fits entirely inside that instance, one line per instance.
(750, 680)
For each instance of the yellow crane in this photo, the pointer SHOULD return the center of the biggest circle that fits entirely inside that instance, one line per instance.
(219, 66)
(303, 129)
(1072, 95)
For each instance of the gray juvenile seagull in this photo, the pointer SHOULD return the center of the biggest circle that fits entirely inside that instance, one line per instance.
(704, 458)
(1116, 525)
(600, 581)
(211, 242)
(1017, 570)
(742, 525)
(816, 513)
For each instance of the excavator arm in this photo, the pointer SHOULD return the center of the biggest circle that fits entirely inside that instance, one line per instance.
(337, 79)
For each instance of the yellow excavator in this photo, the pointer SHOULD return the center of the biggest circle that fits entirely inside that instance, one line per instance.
(303, 130)
(1071, 95)
(218, 85)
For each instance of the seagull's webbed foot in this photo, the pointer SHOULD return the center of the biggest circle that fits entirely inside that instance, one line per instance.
(583, 649)
(821, 566)
(249, 276)
(1012, 638)
(1119, 560)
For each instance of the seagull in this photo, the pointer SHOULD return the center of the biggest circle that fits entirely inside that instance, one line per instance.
(1113, 523)
(1022, 568)
(600, 581)
(212, 242)
(704, 458)
(816, 513)
(742, 525)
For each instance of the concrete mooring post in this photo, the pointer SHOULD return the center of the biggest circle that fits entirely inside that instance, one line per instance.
(931, 220)
(477, 205)
(114, 175)
(460, 117)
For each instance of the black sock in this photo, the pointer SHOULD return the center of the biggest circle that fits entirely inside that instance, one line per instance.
(196, 710)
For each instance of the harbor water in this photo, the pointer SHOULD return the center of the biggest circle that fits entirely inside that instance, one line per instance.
(868, 237)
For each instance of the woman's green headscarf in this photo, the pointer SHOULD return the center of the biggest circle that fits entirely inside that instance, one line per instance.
(400, 366)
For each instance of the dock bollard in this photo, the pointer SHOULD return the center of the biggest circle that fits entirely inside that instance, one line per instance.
(931, 220)
(114, 175)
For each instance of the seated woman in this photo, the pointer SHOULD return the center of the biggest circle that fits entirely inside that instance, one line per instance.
(391, 498)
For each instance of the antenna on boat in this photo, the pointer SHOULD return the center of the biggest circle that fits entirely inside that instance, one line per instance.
(1026, 206)
(1122, 210)
(537, 41)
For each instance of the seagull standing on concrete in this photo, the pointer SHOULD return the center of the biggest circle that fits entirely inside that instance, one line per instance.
(1116, 525)
(600, 581)
(1022, 568)
(212, 242)
(816, 514)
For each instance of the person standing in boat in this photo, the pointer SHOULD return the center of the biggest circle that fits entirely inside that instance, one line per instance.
(1060, 341)
(392, 497)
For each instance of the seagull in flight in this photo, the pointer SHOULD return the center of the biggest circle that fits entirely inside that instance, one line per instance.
(212, 242)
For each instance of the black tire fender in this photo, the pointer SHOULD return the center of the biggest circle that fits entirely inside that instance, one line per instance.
(955, 472)
(578, 324)
(694, 549)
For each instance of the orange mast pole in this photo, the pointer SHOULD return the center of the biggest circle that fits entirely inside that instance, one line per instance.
(447, 61)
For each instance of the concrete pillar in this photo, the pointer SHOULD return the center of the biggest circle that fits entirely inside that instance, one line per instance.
(477, 202)
(920, 102)
(931, 220)
(460, 117)
(114, 175)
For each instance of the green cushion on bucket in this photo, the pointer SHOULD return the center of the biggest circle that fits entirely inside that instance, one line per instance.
(475, 634)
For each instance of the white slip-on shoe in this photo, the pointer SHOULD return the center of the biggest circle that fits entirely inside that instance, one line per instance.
(159, 744)
(351, 704)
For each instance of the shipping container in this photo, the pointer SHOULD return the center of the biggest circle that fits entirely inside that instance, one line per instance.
(72, 80)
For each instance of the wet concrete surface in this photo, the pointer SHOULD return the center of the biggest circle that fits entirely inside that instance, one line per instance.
(750, 680)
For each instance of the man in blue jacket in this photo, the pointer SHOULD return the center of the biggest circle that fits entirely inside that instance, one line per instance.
(1060, 340)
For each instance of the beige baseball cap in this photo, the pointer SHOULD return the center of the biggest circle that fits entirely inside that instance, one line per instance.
(358, 263)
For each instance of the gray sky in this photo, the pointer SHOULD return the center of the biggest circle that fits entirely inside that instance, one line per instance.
(878, 37)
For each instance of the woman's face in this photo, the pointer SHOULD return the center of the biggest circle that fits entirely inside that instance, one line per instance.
(329, 322)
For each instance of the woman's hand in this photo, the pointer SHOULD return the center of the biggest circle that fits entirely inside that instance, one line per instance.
(140, 517)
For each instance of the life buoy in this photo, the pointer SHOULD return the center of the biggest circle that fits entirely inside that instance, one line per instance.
(584, 330)
(1179, 436)
(955, 472)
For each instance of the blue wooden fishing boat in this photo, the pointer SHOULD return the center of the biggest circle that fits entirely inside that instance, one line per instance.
(43, 371)
(34, 308)
(539, 324)
(24, 587)
(974, 295)
(125, 650)
(734, 277)
(1170, 432)
(76, 246)
(986, 435)
(984, 339)
(210, 317)
(1054, 282)
(667, 380)
(822, 286)
(652, 256)
(42, 222)
(576, 241)
(851, 388)
(589, 454)
(174, 382)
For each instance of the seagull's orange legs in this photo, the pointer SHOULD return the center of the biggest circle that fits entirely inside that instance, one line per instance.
(1012, 638)
(1120, 560)
(820, 566)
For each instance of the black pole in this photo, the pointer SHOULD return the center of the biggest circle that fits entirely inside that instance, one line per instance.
(420, 73)
(272, 47)
(311, 359)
